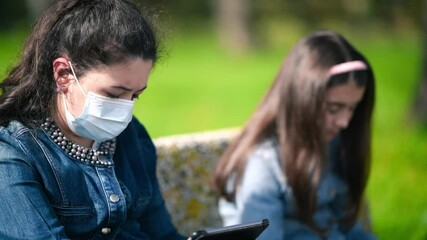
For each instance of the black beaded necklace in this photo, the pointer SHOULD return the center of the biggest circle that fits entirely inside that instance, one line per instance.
(78, 152)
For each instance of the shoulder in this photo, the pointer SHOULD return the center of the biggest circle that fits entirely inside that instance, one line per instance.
(135, 128)
(264, 155)
(266, 150)
(264, 162)
(12, 129)
(11, 132)
(262, 179)
(135, 142)
(135, 132)
(14, 138)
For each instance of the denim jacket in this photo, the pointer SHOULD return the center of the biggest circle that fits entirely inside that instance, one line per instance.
(264, 193)
(45, 194)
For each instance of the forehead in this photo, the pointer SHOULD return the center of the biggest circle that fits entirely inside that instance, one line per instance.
(347, 93)
(132, 72)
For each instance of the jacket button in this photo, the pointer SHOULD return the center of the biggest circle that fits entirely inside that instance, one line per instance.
(106, 230)
(114, 198)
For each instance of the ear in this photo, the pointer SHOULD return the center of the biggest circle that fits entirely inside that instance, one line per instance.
(61, 73)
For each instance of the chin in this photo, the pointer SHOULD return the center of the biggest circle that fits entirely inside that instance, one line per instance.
(330, 136)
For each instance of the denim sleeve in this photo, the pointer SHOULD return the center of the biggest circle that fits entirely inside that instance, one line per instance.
(25, 209)
(259, 196)
(156, 221)
(262, 195)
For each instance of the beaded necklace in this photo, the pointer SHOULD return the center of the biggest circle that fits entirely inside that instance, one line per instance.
(78, 152)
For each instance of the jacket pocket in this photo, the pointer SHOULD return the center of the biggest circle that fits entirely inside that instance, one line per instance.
(72, 211)
(76, 219)
(73, 215)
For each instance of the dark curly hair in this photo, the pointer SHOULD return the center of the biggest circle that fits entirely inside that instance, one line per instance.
(88, 32)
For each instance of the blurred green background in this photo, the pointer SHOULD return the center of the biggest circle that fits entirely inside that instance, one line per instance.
(220, 56)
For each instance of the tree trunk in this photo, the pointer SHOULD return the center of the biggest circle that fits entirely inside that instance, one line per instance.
(419, 108)
(233, 17)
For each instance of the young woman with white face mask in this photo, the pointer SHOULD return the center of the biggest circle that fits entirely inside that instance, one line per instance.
(74, 163)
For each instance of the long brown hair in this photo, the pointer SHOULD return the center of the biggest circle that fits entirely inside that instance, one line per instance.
(90, 33)
(292, 112)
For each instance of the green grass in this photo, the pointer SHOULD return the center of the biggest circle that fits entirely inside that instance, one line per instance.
(398, 198)
(10, 44)
(197, 86)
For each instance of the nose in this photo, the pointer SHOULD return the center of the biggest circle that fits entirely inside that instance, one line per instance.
(343, 120)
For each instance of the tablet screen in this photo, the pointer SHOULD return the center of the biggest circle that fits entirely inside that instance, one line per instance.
(245, 231)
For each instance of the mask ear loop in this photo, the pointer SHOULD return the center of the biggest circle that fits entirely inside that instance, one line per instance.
(75, 76)
(80, 86)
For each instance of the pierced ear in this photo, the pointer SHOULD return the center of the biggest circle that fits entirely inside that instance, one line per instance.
(62, 84)
(61, 71)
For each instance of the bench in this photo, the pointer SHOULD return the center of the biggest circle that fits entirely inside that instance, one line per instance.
(184, 168)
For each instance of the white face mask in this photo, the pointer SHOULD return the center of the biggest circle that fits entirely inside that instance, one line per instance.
(102, 119)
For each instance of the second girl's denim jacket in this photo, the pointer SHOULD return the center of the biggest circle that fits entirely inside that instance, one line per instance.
(264, 193)
(45, 194)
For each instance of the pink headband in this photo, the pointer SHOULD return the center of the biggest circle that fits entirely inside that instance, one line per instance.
(347, 67)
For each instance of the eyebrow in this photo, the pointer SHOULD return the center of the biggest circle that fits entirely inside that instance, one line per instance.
(129, 89)
(340, 104)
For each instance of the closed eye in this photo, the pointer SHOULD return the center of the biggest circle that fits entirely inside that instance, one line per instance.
(334, 108)
(121, 92)
(110, 95)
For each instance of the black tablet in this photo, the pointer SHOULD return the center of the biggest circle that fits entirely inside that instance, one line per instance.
(245, 231)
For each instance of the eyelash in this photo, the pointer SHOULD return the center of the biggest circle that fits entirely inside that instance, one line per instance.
(112, 95)
(333, 109)
(135, 96)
